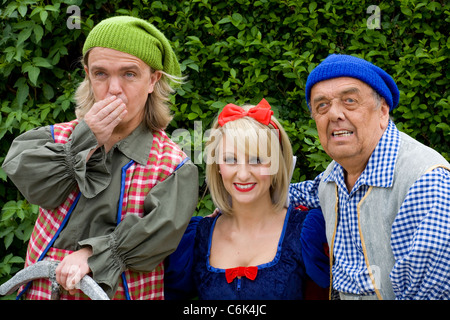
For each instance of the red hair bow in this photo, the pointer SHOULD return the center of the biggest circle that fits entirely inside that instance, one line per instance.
(249, 272)
(261, 113)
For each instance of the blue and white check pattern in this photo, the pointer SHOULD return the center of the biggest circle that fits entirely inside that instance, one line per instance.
(420, 234)
(421, 240)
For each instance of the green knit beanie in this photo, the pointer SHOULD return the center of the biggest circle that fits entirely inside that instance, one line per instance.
(136, 37)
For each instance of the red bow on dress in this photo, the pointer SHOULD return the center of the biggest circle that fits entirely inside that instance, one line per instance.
(261, 113)
(249, 272)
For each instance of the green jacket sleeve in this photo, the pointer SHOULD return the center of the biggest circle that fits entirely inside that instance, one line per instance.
(140, 244)
(45, 172)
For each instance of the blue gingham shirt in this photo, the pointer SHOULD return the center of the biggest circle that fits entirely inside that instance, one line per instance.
(420, 238)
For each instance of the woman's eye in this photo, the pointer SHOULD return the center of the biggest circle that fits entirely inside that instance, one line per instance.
(230, 160)
(255, 160)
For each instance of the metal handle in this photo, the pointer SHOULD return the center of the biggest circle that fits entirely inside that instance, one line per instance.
(46, 269)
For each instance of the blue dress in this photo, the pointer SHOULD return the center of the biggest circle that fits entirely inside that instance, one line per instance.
(300, 256)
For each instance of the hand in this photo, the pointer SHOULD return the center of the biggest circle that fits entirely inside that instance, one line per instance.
(104, 116)
(73, 268)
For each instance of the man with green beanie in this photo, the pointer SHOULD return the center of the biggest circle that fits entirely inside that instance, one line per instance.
(115, 193)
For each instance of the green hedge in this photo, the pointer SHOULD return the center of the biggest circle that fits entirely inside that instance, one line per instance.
(235, 51)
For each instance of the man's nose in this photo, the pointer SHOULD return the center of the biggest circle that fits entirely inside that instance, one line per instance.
(336, 111)
(115, 86)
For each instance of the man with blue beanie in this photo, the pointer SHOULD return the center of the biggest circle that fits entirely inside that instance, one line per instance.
(385, 196)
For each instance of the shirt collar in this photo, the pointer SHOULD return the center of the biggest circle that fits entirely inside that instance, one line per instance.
(379, 171)
(137, 145)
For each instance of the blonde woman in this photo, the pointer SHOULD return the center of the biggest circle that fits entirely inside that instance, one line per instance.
(253, 248)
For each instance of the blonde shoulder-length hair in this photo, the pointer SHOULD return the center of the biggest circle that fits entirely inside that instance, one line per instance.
(268, 144)
(157, 115)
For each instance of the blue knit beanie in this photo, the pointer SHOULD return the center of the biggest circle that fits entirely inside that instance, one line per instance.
(340, 65)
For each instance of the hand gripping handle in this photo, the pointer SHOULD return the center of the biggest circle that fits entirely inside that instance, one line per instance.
(46, 269)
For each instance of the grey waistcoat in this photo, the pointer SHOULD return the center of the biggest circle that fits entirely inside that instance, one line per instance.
(414, 159)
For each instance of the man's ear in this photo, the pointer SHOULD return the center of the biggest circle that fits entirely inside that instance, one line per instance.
(154, 78)
(384, 114)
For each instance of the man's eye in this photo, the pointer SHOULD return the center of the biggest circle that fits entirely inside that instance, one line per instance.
(322, 107)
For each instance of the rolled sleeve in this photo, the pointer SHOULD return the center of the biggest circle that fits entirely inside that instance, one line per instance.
(45, 172)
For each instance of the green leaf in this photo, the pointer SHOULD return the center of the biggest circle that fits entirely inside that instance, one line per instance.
(406, 11)
(48, 91)
(16, 259)
(33, 74)
(44, 113)
(36, 11)
(19, 53)
(192, 116)
(38, 32)
(42, 62)
(3, 175)
(312, 7)
(24, 35)
(22, 10)
(8, 240)
(433, 6)
(218, 105)
(10, 9)
(6, 231)
(54, 8)
(156, 5)
(22, 91)
(7, 213)
(43, 15)
(224, 20)
(236, 19)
